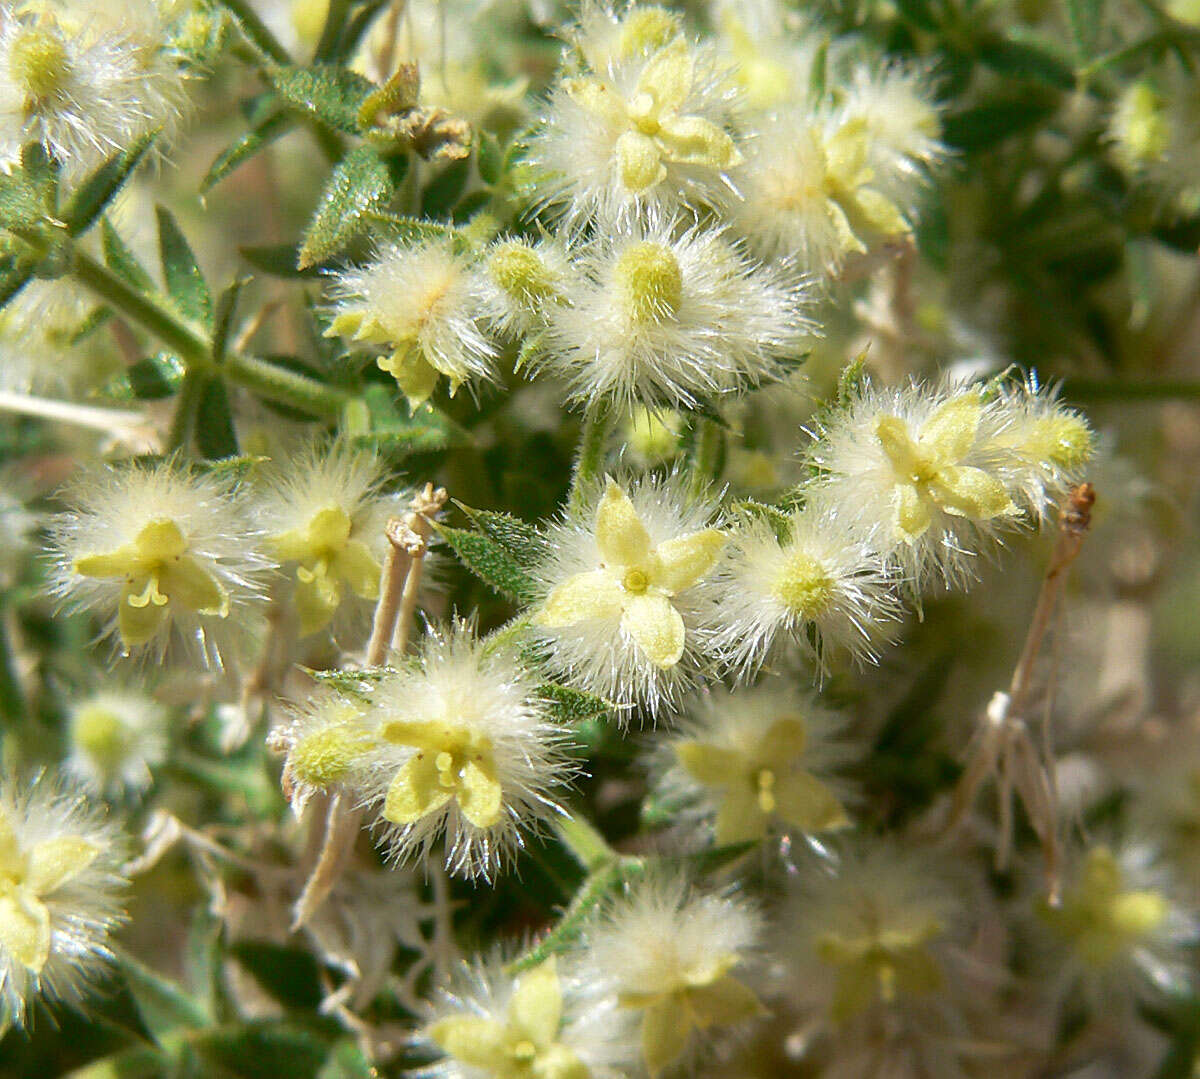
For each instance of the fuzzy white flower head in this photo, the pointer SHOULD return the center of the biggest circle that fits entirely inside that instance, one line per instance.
(1139, 129)
(869, 932)
(323, 512)
(666, 316)
(771, 50)
(167, 555)
(520, 282)
(1051, 444)
(812, 192)
(328, 744)
(903, 126)
(647, 132)
(921, 471)
(821, 585)
(534, 1024)
(38, 346)
(60, 889)
(1122, 927)
(625, 611)
(466, 750)
(604, 36)
(82, 85)
(16, 532)
(117, 736)
(420, 303)
(675, 957)
(758, 760)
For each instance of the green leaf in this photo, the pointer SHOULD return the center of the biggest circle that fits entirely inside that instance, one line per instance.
(215, 436)
(709, 861)
(223, 324)
(778, 519)
(983, 126)
(360, 182)
(262, 1048)
(15, 274)
(151, 379)
(181, 272)
(1086, 18)
(441, 194)
(290, 975)
(245, 147)
(395, 432)
(122, 261)
(325, 92)
(90, 199)
(412, 229)
(491, 562)
(279, 260)
(919, 13)
(1026, 60)
(165, 1005)
(256, 30)
(21, 202)
(490, 156)
(346, 1061)
(522, 540)
(571, 706)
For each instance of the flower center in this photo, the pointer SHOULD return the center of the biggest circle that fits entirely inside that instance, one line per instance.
(635, 582)
(40, 64)
(102, 735)
(524, 1051)
(650, 281)
(522, 274)
(803, 586)
(766, 790)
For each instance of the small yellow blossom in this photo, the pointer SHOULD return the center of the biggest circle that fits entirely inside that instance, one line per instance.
(763, 783)
(1102, 916)
(451, 763)
(654, 131)
(159, 573)
(328, 559)
(704, 995)
(526, 1045)
(928, 471)
(27, 878)
(636, 581)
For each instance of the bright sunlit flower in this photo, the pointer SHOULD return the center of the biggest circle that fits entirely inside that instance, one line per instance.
(60, 887)
(649, 130)
(420, 304)
(605, 36)
(660, 316)
(771, 50)
(323, 512)
(757, 760)
(117, 737)
(466, 751)
(821, 585)
(521, 282)
(922, 471)
(528, 1027)
(676, 958)
(624, 592)
(165, 554)
(902, 121)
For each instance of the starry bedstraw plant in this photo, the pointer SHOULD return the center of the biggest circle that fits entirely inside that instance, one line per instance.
(512, 537)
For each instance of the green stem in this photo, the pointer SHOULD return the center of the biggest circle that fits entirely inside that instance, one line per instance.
(331, 33)
(183, 423)
(706, 454)
(283, 386)
(590, 848)
(191, 345)
(12, 696)
(1086, 390)
(256, 30)
(596, 426)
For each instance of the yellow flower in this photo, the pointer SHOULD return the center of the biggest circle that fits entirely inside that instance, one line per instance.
(1102, 916)
(159, 574)
(451, 763)
(526, 1045)
(762, 783)
(928, 471)
(328, 559)
(636, 581)
(654, 132)
(705, 995)
(886, 962)
(26, 879)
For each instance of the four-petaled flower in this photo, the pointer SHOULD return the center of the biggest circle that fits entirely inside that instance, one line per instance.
(653, 132)
(452, 763)
(636, 581)
(704, 995)
(328, 558)
(526, 1045)
(27, 878)
(1102, 916)
(882, 963)
(928, 470)
(762, 783)
(159, 576)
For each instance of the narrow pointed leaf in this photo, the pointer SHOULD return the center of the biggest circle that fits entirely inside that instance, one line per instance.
(122, 261)
(185, 282)
(240, 151)
(98, 190)
(325, 92)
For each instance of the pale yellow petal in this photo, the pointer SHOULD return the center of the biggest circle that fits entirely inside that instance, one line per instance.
(665, 1032)
(138, 624)
(913, 517)
(949, 433)
(879, 213)
(656, 626)
(56, 861)
(586, 595)
(479, 793)
(639, 162)
(25, 930)
(620, 534)
(808, 804)
(479, 1043)
(724, 1003)
(355, 565)
(684, 561)
(783, 743)
(536, 1008)
(667, 78)
(317, 600)
(559, 1062)
(971, 492)
(692, 140)
(740, 818)
(190, 585)
(113, 564)
(415, 792)
(596, 98)
(897, 442)
(161, 540)
(713, 766)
